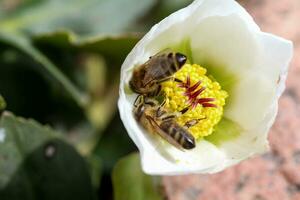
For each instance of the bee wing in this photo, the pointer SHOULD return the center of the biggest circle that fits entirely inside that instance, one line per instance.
(153, 71)
(162, 133)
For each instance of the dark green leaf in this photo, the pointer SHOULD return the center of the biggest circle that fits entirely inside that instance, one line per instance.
(36, 164)
(98, 108)
(166, 7)
(24, 44)
(95, 164)
(2, 103)
(83, 17)
(104, 90)
(38, 17)
(114, 48)
(114, 144)
(131, 183)
(162, 9)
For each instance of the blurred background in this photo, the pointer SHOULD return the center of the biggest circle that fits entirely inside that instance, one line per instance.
(60, 133)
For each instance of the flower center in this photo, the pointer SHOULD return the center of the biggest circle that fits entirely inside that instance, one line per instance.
(203, 97)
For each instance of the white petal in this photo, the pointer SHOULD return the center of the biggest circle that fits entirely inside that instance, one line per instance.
(250, 142)
(262, 84)
(224, 36)
(173, 161)
(266, 87)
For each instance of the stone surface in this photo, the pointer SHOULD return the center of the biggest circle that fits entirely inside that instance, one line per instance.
(276, 174)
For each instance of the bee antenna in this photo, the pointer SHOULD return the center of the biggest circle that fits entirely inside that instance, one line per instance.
(178, 80)
(202, 118)
(184, 110)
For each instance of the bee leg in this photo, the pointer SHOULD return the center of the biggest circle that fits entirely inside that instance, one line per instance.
(155, 93)
(160, 110)
(192, 122)
(171, 78)
(168, 116)
(162, 103)
(178, 80)
(158, 91)
(162, 133)
(150, 82)
(184, 110)
(150, 101)
(163, 80)
(139, 99)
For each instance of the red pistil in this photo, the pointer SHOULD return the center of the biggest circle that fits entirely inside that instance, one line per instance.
(192, 94)
(194, 87)
(209, 105)
(185, 85)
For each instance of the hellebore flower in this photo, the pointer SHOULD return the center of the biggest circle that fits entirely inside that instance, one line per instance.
(232, 81)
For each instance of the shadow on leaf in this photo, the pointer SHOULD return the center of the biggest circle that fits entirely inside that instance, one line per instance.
(52, 171)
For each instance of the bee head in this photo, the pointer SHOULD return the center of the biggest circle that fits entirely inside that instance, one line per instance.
(132, 85)
(181, 59)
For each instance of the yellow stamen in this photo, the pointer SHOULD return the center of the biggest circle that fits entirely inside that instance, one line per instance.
(176, 100)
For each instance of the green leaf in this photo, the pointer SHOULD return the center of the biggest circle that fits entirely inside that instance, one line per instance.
(83, 17)
(2, 103)
(30, 29)
(36, 164)
(113, 47)
(95, 164)
(99, 97)
(161, 10)
(33, 17)
(24, 44)
(114, 144)
(102, 79)
(131, 183)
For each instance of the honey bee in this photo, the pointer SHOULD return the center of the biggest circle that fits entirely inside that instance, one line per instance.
(147, 77)
(156, 119)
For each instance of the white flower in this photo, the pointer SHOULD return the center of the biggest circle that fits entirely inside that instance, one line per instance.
(250, 64)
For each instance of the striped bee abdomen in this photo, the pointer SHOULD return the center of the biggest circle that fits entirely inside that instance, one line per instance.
(178, 133)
